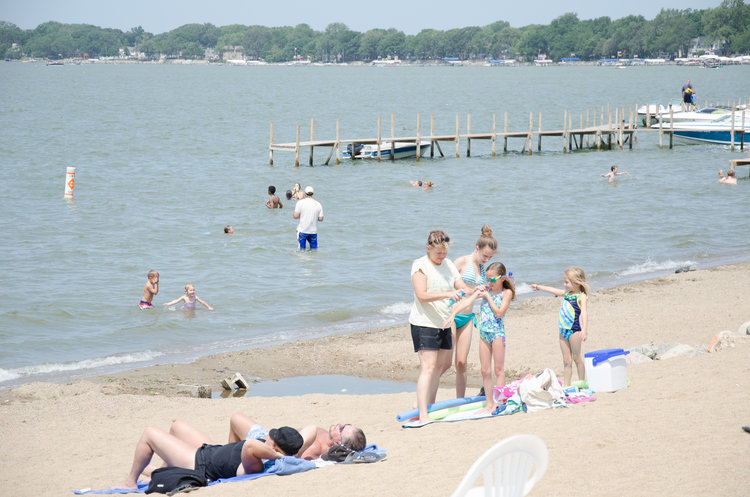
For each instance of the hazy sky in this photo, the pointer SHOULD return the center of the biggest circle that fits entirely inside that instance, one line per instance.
(409, 16)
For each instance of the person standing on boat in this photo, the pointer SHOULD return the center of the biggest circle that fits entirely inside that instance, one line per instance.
(687, 95)
(309, 212)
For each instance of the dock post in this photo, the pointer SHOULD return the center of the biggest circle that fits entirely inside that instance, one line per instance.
(539, 141)
(419, 140)
(742, 139)
(587, 125)
(338, 142)
(393, 138)
(661, 132)
(458, 154)
(312, 139)
(580, 145)
(731, 134)
(270, 151)
(505, 133)
(530, 138)
(296, 149)
(671, 127)
(564, 131)
(570, 133)
(432, 135)
(468, 134)
(494, 131)
(380, 129)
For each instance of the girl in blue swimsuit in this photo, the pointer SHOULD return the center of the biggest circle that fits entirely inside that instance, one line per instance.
(573, 320)
(472, 269)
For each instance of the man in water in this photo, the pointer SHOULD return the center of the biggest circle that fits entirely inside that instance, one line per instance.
(317, 440)
(612, 173)
(309, 212)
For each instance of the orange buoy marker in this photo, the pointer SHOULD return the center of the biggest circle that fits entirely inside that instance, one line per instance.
(70, 180)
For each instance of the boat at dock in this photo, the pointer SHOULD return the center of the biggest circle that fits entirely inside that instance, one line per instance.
(718, 131)
(401, 150)
(659, 112)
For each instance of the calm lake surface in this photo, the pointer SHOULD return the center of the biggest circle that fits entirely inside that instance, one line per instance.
(167, 155)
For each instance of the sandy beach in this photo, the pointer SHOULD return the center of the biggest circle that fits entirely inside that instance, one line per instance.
(676, 430)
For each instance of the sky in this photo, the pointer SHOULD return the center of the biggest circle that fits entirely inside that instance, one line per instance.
(409, 16)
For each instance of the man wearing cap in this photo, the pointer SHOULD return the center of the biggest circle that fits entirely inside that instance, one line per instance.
(309, 212)
(187, 447)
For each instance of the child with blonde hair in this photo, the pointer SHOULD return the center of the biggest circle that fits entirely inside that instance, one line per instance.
(190, 298)
(497, 294)
(573, 320)
(150, 289)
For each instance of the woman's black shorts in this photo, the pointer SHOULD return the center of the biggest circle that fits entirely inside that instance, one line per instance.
(426, 338)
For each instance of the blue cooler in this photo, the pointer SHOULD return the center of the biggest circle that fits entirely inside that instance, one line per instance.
(606, 369)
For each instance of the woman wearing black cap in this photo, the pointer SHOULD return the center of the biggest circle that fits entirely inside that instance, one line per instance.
(195, 450)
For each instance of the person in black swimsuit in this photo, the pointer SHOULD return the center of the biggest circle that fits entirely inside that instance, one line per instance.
(215, 461)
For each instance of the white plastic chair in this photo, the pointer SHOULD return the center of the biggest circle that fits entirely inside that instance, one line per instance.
(510, 468)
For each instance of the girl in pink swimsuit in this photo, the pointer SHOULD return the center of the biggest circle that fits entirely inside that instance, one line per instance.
(190, 298)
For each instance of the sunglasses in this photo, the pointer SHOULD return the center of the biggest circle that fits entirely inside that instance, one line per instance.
(495, 278)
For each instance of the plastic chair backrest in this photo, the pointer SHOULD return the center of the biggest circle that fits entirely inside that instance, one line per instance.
(510, 468)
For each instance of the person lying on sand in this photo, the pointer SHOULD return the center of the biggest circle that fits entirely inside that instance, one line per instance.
(317, 440)
(195, 450)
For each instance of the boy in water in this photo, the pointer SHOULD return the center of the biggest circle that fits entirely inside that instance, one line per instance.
(612, 173)
(273, 201)
(149, 290)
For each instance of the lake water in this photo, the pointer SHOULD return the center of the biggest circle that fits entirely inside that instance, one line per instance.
(167, 155)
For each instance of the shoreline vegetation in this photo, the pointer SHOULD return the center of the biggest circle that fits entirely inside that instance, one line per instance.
(673, 33)
(686, 61)
(675, 430)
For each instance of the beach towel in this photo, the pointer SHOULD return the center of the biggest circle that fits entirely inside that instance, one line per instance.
(286, 465)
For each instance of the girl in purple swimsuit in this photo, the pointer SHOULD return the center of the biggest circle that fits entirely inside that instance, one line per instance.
(190, 298)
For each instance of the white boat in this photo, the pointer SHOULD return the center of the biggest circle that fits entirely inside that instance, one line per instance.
(717, 131)
(401, 150)
(677, 115)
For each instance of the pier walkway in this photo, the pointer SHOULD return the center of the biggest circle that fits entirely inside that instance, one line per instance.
(602, 135)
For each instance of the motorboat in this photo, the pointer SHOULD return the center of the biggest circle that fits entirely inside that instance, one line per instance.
(716, 131)
(401, 150)
(676, 115)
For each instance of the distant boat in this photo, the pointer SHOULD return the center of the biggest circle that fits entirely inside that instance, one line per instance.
(55, 63)
(401, 150)
(717, 131)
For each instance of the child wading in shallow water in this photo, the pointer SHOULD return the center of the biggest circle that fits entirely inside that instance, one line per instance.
(190, 298)
(573, 321)
(497, 296)
(150, 289)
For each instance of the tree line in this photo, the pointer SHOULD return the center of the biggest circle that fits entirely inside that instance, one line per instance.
(668, 35)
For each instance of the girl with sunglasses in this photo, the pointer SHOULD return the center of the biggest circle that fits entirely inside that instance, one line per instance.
(497, 294)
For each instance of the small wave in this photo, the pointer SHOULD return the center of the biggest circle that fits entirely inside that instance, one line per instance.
(651, 266)
(55, 367)
(397, 308)
(523, 288)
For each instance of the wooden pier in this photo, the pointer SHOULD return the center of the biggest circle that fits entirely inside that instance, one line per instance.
(614, 130)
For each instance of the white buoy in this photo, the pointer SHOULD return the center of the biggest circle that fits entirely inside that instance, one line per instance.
(70, 180)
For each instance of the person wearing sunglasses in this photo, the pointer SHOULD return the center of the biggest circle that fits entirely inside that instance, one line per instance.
(317, 440)
(497, 294)
(472, 269)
